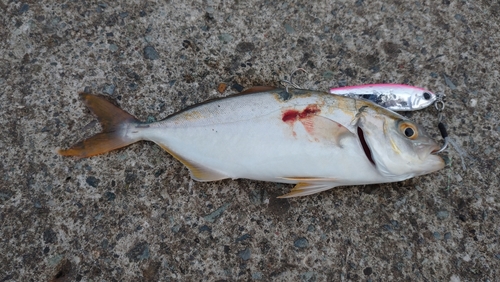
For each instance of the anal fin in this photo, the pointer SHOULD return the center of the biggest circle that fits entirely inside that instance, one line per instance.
(310, 179)
(304, 189)
(203, 174)
(198, 172)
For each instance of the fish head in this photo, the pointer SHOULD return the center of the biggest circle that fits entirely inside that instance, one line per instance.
(421, 98)
(399, 148)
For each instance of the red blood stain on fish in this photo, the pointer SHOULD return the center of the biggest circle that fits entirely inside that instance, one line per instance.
(304, 116)
(293, 115)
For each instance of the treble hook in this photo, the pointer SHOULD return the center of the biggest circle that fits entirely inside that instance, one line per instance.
(289, 82)
(444, 134)
(439, 105)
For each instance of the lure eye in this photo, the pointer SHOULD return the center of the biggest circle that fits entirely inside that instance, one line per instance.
(427, 96)
(409, 130)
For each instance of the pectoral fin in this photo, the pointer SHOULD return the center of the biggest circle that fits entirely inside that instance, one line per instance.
(304, 189)
(326, 130)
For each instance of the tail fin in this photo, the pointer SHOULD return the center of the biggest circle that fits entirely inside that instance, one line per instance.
(114, 121)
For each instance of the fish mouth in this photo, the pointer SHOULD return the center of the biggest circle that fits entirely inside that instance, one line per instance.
(366, 148)
(437, 150)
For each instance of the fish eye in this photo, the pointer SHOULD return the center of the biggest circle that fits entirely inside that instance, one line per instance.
(409, 130)
(427, 96)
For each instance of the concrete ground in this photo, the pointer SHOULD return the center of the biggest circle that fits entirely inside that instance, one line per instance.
(135, 214)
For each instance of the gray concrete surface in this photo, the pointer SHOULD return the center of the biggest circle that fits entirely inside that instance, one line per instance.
(135, 214)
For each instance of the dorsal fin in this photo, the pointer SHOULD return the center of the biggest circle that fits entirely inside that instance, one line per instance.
(255, 89)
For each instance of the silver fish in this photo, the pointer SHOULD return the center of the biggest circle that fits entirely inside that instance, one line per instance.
(312, 139)
(396, 97)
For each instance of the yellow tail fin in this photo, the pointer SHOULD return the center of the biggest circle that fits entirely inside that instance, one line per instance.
(114, 121)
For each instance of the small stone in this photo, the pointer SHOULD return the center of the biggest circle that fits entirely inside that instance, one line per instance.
(301, 243)
(447, 236)
(459, 17)
(257, 275)
(238, 87)
(139, 252)
(437, 235)
(113, 47)
(4, 196)
(150, 53)
(450, 83)
(289, 29)
(159, 172)
(175, 228)
(214, 215)
(109, 89)
(92, 181)
(327, 75)
(467, 258)
(132, 86)
(243, 237)
(245, 47)
(222, 88)
(443, 214)
(150, 119)
(225, 38)
(367, 271)
(204, 228)
(123, 15)
(433, 75)
(24, 8)
(49, 236)
(130, 176)
(395, 223)
(245, 254)
(473, 103)
(110, 196)
(387, 227)
(55, 259)
(308, 276)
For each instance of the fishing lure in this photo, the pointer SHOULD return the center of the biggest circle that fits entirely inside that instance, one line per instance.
(396, 97)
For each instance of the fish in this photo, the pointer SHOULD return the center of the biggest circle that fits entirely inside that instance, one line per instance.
(312, 139)
(396, 97)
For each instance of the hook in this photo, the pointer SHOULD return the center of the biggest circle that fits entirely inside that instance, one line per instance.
(289, 82)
